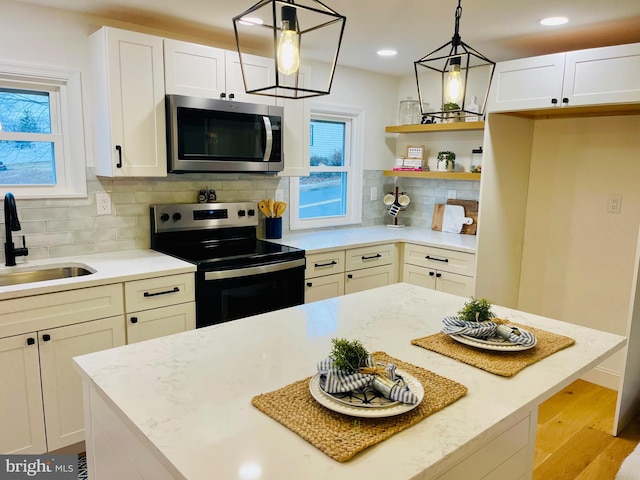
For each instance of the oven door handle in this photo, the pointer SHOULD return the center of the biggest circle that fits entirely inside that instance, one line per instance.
(268, 139)
(255, 270)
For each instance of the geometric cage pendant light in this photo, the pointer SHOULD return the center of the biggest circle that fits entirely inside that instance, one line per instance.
(298, 38)
(454, 79)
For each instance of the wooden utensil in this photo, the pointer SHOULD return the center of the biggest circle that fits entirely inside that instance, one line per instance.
(280, 208)
(271, 203)
(264, 207)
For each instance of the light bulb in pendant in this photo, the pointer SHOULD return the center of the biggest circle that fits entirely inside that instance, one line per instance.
(288, 46)
(453, 89)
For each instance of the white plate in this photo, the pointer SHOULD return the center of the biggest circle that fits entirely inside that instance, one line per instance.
(329, 401)
(497, 344)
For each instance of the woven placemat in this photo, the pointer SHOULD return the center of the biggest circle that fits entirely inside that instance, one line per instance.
(506, 364)
(342, 436)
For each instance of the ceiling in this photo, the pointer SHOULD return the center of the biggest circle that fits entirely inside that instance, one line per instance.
(499, 29)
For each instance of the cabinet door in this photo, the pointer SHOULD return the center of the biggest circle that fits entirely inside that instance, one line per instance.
(160, 322)
(21, 416)
(368, 278)
(297, 131)
(454, 284)
(129, 123)
(260, 72)
(527, 83)
(420, 276)
(192, 69)
(603, 75)
(320, 288)
(61, 384)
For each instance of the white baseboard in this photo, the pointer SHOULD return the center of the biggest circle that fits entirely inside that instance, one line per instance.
(604, 377)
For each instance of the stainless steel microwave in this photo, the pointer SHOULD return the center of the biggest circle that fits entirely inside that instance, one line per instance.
(210, 135)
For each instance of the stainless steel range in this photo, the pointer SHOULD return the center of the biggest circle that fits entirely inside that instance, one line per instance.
(238, 275)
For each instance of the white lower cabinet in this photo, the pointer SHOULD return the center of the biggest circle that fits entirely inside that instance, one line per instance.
(444, 270)
(324, 276)
(159, 306)
(42, 388)
(41, 394)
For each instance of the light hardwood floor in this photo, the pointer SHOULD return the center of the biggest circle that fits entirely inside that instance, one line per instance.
(574, 438)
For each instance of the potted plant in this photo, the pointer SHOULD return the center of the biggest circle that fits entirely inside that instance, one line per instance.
(446, 161)
(452, 112)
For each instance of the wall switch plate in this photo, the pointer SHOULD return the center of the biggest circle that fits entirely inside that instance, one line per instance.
(614, 203)
(103, 203)
(374, 194)
(279, 195)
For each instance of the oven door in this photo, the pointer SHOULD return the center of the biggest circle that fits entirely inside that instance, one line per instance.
(227, 295)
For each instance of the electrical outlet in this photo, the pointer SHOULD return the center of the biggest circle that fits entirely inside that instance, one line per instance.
(374, 194)
(103, 203)
(614, 203)
(279, 195)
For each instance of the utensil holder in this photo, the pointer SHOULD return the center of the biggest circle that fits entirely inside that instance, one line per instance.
(273, 227)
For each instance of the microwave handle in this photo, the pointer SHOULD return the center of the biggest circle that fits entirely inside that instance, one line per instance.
(269, 139)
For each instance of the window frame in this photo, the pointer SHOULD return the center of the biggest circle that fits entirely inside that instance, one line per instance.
(67, 128)
(354, 135)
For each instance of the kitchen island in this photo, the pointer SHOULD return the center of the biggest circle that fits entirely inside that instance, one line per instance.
(179, 407)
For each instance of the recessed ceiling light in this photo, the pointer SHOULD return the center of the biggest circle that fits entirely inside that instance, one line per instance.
(387, 53)
(551, 21)
(250, 21)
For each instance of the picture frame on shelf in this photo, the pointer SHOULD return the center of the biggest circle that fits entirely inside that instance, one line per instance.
(415, 152)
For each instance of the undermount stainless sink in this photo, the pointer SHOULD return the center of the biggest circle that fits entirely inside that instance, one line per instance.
(43, 274)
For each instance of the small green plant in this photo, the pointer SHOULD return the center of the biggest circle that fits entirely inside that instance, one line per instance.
(348, 356)
(448, 158)
(450, 107)
(476, 310)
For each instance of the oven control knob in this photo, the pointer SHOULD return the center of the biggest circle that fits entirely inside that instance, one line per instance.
(176, 217)
(241, 213)
(251, 212)
(164, 217)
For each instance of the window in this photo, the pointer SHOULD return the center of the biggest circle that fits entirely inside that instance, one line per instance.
(41, 133)
(332, 193)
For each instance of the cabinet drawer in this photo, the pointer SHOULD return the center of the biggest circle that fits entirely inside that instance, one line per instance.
(159, 292)
(452, 261)
(326, 263)
(160, 322)
(366, 257)
(320, 288)
(38, 312)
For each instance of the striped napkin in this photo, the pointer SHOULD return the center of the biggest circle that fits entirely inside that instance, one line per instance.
(456, 326)
(333, 380)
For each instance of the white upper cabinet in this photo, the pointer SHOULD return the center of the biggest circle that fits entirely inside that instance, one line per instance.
(297, 131)
(128, 102)
(596, 76)
(603, 75)
(526, 83)
(195, 70)
(209, 72)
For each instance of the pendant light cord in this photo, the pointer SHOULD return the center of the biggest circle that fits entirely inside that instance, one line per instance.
(455, 40)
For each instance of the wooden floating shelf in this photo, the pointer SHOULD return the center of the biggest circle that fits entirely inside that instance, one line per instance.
(431, 174)
(435, 127)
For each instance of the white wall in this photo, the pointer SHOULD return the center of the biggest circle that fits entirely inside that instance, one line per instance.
(578, 260)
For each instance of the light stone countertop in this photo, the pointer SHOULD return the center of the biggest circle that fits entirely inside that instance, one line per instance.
(321, 241)
(187, 397)
(109, 268)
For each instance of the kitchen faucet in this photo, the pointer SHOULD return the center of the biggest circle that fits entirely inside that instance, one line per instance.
(11, 223)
